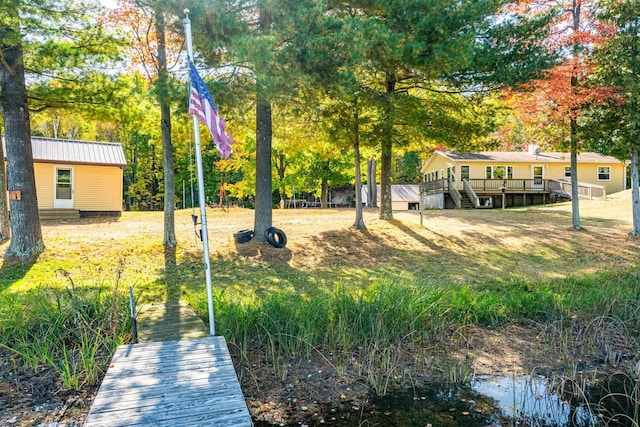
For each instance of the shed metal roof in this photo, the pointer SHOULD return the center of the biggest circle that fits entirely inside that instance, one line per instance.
(399, 193)
(69, 151)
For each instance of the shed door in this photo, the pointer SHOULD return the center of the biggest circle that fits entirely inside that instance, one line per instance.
(63, 198)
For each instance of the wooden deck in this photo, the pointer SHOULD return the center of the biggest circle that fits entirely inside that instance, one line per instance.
(188, 381)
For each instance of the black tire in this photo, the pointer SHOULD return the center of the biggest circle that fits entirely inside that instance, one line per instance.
(243, 236)
(276, 237)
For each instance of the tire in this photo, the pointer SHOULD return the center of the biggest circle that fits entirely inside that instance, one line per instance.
(243, 236)
(276, 237)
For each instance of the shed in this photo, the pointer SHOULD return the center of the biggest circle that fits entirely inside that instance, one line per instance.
(85, 176)
(403, 197)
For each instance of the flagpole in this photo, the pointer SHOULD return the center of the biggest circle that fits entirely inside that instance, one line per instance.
(204, 235)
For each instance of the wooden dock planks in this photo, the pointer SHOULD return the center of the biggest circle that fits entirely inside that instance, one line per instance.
(169, 321)
(171, 383)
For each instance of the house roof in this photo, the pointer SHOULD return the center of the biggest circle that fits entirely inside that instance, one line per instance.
(69, 151)
(525, 157)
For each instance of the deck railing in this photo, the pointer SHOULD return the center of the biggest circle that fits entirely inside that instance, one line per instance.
(510, 185)
(455, 195)
(562, 187)
(557, 186)
(437, 186)
(472, 194)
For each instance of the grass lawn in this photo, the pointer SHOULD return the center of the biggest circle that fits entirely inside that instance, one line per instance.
(391, 299)
(453, 247)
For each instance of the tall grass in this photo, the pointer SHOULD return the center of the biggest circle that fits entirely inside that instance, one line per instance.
(375, 331)
(73, 330)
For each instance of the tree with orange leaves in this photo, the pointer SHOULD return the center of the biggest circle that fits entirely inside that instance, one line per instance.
(560, 99)
(145, 22)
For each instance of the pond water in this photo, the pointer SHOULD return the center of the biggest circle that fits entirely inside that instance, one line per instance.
(523, 401)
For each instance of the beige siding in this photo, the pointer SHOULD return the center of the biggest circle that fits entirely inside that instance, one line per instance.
(587, 172)
(399, 206)
(44, 173)
(439, 163)
(98, 188)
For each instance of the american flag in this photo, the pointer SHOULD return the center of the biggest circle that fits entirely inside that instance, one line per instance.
(202, 105)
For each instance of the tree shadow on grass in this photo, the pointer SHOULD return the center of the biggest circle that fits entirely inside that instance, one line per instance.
(263, 252)
(12, 272)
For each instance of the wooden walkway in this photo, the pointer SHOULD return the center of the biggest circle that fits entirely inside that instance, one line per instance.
(187, 382)
(174, 320)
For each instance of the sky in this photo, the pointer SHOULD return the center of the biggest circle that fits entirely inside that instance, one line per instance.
(111, 4)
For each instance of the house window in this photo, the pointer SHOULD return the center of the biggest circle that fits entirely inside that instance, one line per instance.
(604, 173)
(499, 172)
(464, 172)
(567, 171)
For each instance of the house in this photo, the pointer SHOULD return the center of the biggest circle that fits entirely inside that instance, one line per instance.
(501, 179)
(80, 176)
(403, 197)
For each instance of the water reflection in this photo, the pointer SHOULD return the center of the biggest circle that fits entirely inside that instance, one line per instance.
(534, 401)
(522, 401)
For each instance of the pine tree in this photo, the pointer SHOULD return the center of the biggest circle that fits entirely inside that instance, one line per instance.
(64, 43)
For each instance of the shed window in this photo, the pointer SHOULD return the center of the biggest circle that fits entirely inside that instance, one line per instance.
(604, 173)
(567, 171)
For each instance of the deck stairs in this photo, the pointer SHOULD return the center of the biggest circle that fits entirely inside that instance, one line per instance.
(465, 201)
(58, 214)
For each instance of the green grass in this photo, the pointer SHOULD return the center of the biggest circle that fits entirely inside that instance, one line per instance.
(73, 330)
(370, 303)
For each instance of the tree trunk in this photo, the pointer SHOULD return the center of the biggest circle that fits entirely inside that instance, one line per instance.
(635, 191)
(281, 167)
(359, 224)
(372, 194)
(263, 208)
(324, 193)
(386, 211)
(5, 225)
(575, 203)
(165, 126)
(26, 234)
(264, 132)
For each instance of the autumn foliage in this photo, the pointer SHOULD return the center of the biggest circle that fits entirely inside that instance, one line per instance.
(559, 99)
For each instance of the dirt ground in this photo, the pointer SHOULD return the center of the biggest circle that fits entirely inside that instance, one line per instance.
(311, 391)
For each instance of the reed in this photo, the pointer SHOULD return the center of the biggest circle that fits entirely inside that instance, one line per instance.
(73, 330)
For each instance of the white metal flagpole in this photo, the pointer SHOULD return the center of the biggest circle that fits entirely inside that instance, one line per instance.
(204, 235)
